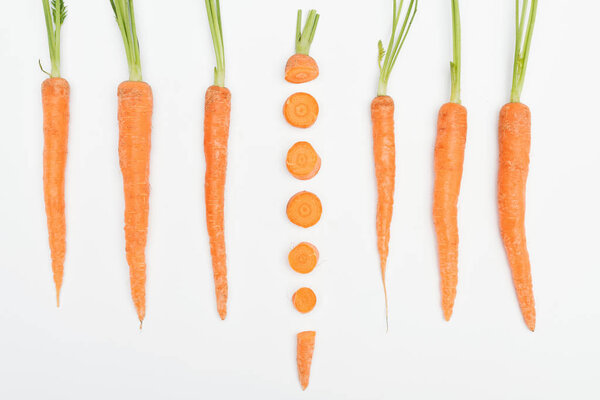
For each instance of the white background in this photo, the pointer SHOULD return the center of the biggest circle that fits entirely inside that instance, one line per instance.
(92, 348)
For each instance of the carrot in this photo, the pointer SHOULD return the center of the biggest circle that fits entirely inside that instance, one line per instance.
(55, 103)
(384, 150)
(448, 167)
(304, 354)
(301, 110)
(514, 135)
(301, 67)
(304, 300)
(303, 258)
(304, 209)
(217, 109)
(302, 161)
(135, 128)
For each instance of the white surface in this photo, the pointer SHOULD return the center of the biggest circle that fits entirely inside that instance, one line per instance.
(92, 348)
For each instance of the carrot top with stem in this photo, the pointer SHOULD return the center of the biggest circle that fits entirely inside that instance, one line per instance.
(304, 37)
(213, 9)
(524, 33)
(126, 19)
(395, 43)
(455, 63)
(55, 15)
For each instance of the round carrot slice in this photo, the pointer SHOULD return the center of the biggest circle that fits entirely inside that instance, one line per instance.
(302, 161)
(303, 258)
(304, 209)
(301, 110)
(304, 300)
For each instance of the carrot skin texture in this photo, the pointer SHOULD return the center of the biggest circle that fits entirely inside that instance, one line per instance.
(216, 134)
(448, 166)
(55, 102)
(304, 354)
(384, 151)
(135, 128)
(514, 136)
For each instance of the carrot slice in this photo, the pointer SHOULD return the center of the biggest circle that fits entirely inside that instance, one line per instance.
(301, 110)
(304, 300)
(304, 354)
(302, 161)
(304, 209)
(303, 258)
(301, 68)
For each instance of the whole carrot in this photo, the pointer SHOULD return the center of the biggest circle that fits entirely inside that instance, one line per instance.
(135, 127)
(384, 150)
(55, 102)
(514, 137)
(448, 167)
(217, 110)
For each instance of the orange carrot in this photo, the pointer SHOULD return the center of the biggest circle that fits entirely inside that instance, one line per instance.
(135, 128)
(55, 102)
(217, 111)
(304, 300)
(301, 67)
(302, 161)
(514, 135)
(304, 354)
(304, 209)
(303, 258)
(301, 110)
(384, 150)
(448, 167)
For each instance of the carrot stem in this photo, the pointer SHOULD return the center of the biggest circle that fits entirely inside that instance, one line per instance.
(213, 10)
(54, 15)
(395, 43)
(455, 64)
(304, 37)
(126, 20)
(524, 33)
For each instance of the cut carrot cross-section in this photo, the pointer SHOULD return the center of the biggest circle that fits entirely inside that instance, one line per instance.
(304, 209)
(302, 161)
(303, 258)
(304, 300)
(301, 110)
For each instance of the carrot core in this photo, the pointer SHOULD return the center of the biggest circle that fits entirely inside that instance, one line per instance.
(304, 209)
(301, 110)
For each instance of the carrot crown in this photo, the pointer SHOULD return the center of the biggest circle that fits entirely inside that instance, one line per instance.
(126, 20)
(213, 9)
(55, 15)
(395, 43)
(455, 63)
(524, 33)
(304, 37)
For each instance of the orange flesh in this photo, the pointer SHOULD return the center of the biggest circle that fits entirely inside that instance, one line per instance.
(303, 258)
(301, 68)
(304, 209)
(304, 354)
(55, 102)
(302, 161)
(514, 134)
(304, 300)
(301, 110)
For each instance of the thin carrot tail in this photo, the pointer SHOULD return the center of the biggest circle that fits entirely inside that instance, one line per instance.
(55, 101)
(135, 128)
(304, 354)
(216, 134)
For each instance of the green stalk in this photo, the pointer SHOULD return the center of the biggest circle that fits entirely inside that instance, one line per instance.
(524, 33)
(304, 37)
(54, 15)
(395, 43)
(126, 20)
(213, 10)
(455, 64)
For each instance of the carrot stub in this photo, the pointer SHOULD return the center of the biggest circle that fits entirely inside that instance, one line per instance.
(302, 161)
(304, 300)
(301, 67)
(301, 110)
(303, 258)
(304, 209)
(304, 354)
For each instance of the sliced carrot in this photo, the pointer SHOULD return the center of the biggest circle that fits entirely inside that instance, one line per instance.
(304, 209)
(301, 68)
(303, 258)
(302, 161)
(304, 300)
(304, 354)
(301, 110)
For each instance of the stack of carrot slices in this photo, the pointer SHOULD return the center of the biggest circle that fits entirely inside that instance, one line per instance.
(303, 162)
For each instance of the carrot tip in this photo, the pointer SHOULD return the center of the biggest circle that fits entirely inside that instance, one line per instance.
(223, 315)
(447, 314)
